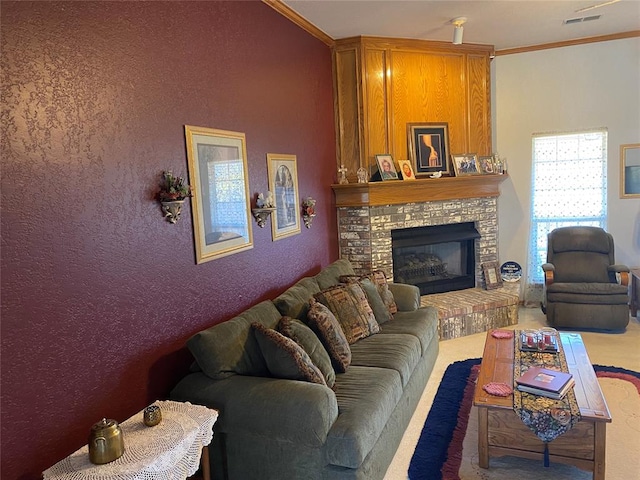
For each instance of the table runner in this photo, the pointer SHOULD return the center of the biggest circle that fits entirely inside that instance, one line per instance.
(546, 417)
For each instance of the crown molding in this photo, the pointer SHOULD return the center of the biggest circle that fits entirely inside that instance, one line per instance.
(287, 12)
(568, 43)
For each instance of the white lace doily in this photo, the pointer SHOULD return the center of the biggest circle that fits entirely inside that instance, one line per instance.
(170, 450)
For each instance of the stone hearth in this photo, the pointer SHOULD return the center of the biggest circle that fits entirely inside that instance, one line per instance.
(365, 240)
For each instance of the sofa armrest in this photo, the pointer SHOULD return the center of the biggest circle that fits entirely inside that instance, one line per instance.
(407, 297)
(289, 410)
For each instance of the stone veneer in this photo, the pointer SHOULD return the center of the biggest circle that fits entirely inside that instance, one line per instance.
(365, 240)
(365, 232)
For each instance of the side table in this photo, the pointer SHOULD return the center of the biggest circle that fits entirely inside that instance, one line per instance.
(170, 450)
(634, 305)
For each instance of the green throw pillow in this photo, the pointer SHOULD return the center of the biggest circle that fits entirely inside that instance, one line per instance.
(309, 341)
(349, 304)
(330, 333)
(284, 357)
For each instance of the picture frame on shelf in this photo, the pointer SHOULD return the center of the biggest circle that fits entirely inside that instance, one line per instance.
(386, 167)
(282, 170)
(487, 165)
(492, 277)
(406, 170)
(217, 161)
(428, 147)
(465, 164)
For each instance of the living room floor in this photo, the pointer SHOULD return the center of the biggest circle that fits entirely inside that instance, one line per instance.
(614, 349)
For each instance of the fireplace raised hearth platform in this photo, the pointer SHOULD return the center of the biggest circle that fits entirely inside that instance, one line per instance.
(474, 310)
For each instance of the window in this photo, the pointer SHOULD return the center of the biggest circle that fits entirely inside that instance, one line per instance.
(569, 187)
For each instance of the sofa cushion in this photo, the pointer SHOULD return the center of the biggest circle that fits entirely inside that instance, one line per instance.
(366, 396)
(591, 293)
(329, 331)
(350, 306)
(284, 357)
(421, 323)
(330, 275)
(230, 348)
(400, 352)
(380, 310)
(309, 341)
(294, 302)
(379, 279)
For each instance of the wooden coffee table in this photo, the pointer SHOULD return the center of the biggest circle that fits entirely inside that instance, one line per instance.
(501, 432)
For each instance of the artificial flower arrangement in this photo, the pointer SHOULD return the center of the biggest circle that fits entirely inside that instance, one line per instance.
(308, 207)
(173, 188)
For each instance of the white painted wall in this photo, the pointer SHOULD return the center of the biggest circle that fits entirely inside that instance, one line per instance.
(559, 90)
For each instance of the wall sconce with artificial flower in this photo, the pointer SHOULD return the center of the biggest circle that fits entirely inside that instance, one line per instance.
(264, 207)
(173, 192)
(308, 211)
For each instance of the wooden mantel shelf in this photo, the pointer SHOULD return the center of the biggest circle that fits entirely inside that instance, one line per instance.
(393, 192)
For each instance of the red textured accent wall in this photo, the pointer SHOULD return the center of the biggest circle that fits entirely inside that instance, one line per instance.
(99, 292)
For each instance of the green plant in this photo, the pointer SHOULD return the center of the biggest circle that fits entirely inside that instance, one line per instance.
(173, 188)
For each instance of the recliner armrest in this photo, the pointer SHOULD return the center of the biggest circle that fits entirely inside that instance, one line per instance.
(549, 272)
(621, 273)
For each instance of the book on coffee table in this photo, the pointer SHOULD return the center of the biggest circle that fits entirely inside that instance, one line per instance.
(546, 393)
(542, 381)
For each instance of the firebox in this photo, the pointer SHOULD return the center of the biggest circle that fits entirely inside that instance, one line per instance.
(436, 259)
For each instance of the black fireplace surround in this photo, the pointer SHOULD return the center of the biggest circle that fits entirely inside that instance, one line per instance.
(436, 259)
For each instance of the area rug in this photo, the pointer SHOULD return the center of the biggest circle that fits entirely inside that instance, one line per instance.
(448, 448)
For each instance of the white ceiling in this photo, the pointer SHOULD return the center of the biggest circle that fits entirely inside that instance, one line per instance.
(502, 23)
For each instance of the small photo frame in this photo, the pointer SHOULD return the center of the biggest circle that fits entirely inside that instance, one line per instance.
(465, 164)
(487, 165)
(406, 170)
(428, 146)
(386, 167)
(492, 277)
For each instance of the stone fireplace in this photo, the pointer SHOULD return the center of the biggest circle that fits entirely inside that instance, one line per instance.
(439, 258)
(369, 214)
(365, 232)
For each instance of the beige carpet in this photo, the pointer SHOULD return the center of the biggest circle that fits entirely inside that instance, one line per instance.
(623, 437)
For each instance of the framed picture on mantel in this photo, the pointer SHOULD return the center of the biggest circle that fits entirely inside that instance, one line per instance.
(429, 147)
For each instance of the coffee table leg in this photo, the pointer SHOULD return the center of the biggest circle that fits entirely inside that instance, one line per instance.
(599, 450)
(483, 437)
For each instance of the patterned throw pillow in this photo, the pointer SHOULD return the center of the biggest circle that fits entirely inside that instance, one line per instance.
(309, 341)
(380, 281)
(350, 306)
(326, 326)
(380, 310)
(284, 357)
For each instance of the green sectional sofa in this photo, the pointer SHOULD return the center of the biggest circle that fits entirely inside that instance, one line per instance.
(274, 428)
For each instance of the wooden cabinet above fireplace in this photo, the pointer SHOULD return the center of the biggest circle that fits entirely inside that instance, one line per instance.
(383, 84)
(421, 190)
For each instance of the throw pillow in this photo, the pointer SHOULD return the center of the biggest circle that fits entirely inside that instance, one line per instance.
(379, 279)
(284, 357)
(376, 303)
(326, 326)
(350, 306)
(309, 341)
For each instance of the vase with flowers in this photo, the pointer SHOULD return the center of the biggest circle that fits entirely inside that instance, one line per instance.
(173, 192)
(308, 211)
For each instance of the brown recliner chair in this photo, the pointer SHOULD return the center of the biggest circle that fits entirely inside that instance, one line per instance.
(584, 288)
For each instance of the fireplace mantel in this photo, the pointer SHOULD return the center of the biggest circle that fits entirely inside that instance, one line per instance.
(419, 190)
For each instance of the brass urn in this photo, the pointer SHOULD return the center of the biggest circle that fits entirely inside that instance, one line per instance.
(106, 443)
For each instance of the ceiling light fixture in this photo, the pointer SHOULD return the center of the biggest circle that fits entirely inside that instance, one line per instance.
(458, 29)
